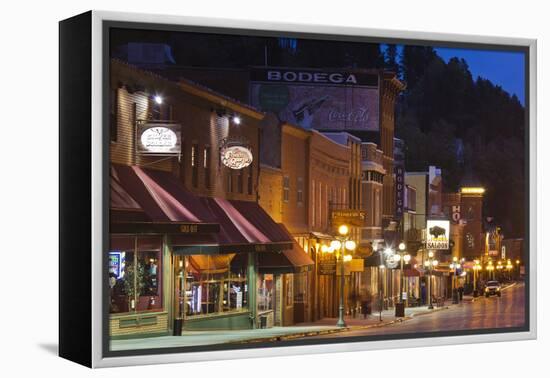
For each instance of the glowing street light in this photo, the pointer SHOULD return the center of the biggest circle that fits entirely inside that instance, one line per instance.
(430, 263)
(341, 244)
(455, 265)
(404, 258)
(477, 267)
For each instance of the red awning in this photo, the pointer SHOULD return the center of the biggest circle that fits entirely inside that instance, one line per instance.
(244, 227)
(159, 200)
(293, 260)
(198, 225)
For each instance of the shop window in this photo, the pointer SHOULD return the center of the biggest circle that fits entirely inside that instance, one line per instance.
(113, 114)
(135, 280)
(213, 284)
(266, 292)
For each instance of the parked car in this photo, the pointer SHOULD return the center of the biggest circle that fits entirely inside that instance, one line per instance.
(492, 288)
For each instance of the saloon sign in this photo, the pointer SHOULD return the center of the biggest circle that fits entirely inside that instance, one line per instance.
(235, 154)
(437, 235)
(154, 138)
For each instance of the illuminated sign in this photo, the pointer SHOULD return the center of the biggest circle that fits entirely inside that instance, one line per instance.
(154, 138)
(437, 235)
(116, 262)
(236, 156)
(399, 190)
(472, 190)
(349, 217)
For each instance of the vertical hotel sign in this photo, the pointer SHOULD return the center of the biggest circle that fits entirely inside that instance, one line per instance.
(399, 190)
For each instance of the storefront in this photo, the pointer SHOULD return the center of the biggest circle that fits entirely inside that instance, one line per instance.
(210, 263)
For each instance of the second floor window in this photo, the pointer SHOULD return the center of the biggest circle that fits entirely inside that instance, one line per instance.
(206, 165)
(195, 165)
(240, 183)
(250, 179)
(300, 191)
(286, 188)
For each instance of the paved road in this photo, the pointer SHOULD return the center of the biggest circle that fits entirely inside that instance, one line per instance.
(492, 312)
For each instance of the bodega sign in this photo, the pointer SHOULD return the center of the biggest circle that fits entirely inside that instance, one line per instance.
(158, 138)
(235, 154)
(437, 235)
(308, 77)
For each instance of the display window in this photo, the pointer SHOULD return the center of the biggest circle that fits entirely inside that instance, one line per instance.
(135, 275)
(266, 292)
(211, 284)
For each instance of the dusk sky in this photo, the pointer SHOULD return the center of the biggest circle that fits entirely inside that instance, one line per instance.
(506, 69)
(503, 68)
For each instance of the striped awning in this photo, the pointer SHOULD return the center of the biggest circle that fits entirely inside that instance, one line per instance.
(145, 200)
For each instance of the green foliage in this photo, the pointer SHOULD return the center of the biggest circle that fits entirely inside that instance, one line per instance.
(472, 129)
(133, 282)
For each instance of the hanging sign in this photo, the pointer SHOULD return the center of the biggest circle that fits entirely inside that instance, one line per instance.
(437, 235)
(235, 154)
(155, 138)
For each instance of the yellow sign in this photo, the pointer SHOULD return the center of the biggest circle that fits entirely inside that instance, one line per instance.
(188, 228)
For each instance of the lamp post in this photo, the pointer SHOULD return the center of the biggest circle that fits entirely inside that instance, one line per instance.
(499, 269)
(380, 291)
(491, 269)
(402, 257)
(454, 266)
(430, 263)
(341, 243)
(476, 267)
(509, 268)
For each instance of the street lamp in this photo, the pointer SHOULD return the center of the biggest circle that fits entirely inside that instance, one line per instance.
(340, 244)
(455, 265)
(491, 269)
(509, 268)
(499, 269)
(430, 263)
(403, 257)
(476, 267)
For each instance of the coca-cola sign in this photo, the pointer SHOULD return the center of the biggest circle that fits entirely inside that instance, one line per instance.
(321, 100)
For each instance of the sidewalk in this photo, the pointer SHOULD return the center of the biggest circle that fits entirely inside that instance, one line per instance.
(323, 326)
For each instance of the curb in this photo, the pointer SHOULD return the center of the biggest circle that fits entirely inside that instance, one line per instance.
(336, 330)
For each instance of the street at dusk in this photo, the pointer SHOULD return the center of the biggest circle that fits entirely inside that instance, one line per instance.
(482, 313)
(259, 196)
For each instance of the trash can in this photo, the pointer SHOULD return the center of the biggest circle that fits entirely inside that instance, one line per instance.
(400, 310)
(178, 323)
(263, 321)
(455, 296)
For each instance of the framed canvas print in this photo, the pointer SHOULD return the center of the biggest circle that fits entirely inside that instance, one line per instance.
(234, 189)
